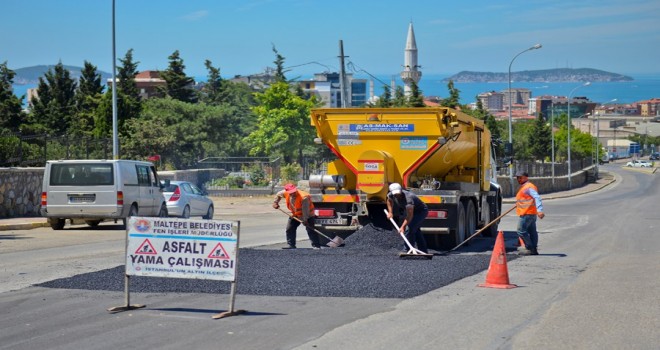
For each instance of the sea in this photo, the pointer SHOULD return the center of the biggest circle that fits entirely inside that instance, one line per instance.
(643, 87)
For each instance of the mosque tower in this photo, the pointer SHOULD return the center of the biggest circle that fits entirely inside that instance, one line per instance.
(410, 71)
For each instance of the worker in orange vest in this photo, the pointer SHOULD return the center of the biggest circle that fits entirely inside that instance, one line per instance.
(301, 206)
(528, 207)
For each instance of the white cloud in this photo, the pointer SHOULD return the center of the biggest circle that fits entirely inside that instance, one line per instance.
(196, 16)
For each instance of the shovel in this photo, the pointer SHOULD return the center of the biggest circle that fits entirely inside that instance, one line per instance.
(332, 242)
(413, 252)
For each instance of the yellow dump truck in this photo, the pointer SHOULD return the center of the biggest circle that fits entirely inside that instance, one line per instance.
(442, 155)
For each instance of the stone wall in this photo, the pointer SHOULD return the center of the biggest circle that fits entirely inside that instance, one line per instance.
(545, 184)
(20, 191)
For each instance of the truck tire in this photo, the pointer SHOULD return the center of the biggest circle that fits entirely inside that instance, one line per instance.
(460, 232)
(492, 229)
(470, 219)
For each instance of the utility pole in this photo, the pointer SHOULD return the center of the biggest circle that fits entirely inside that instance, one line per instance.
(115, 137)
(342, 74)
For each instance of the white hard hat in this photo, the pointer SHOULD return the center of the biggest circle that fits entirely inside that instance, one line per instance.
(395, 188)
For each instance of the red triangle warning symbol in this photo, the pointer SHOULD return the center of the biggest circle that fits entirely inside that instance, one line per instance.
(146, 248)
(219, 252)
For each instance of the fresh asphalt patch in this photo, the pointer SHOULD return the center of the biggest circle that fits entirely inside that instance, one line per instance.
(367, 267)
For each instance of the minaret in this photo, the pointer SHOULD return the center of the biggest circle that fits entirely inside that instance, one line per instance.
(410, 73)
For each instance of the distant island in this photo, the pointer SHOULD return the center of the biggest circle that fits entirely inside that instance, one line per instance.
(546, 75)
(30, 75)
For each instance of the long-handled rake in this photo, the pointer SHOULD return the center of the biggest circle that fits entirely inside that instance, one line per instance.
(479, 231)
(412, 252)
(332, 242)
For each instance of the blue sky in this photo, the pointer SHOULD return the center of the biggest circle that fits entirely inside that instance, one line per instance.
(621, 36)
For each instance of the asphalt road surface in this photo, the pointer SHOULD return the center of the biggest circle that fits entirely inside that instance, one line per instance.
(594, 286)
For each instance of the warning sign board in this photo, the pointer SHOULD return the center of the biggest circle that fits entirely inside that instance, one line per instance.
(182, 248)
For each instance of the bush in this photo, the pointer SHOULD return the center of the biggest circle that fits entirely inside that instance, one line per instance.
(231, 181)
(291, 172)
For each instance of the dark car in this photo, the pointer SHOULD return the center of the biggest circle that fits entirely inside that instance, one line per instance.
(655, 156)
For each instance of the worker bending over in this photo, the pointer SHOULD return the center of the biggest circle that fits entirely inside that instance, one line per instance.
(301, 206)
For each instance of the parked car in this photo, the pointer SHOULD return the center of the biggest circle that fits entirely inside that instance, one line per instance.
(184, 200)
(639, 164)
(655, 156)
(97, 190)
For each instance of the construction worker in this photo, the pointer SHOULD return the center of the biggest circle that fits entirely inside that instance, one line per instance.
(528, 207)
(302, 209)
(413, 211)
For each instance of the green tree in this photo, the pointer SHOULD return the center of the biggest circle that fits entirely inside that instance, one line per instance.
(283, 123)
(55, 105)
(581, 143)
(541, 142)
(11, 111)
(279, 66)
(399, 99)
(179, 86)
(385, 99)
(182, 133)
(523, 132)
(416, 99)
(212, 91)
(129, 103)
(453, 100)
(126, 73)
(88, 98)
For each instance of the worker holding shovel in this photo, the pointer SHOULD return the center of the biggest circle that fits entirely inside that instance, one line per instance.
(411, 211)
(302, 209)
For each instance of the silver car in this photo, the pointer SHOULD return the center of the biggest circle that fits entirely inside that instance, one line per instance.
(184, 200)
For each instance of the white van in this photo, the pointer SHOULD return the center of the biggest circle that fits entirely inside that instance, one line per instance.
(96, 190)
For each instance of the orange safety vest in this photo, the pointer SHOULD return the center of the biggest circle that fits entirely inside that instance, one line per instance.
(524, 202)
(297, 209)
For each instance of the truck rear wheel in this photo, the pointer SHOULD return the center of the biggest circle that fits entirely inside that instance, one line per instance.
(460, 233)
(470, 220)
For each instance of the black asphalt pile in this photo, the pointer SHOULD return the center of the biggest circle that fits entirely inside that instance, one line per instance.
(373, 238)
(330, 272)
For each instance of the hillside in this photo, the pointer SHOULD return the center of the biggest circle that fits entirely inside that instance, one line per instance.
(30, 75)
(546, 75)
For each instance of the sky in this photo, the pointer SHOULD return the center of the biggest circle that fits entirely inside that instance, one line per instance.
(619, 36)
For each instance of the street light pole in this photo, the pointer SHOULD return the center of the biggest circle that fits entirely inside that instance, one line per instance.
(115, 138)
(537, 46)
(568, 108)
(552, 132)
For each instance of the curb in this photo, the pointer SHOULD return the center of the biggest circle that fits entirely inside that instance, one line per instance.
(23, 226)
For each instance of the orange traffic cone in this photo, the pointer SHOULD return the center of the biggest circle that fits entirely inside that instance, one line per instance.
(521, 243)
(498, 274)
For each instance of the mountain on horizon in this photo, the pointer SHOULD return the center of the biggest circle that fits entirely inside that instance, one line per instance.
(31, 75)
(545, 75)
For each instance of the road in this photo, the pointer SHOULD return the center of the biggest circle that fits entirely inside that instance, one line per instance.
(594, 286)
